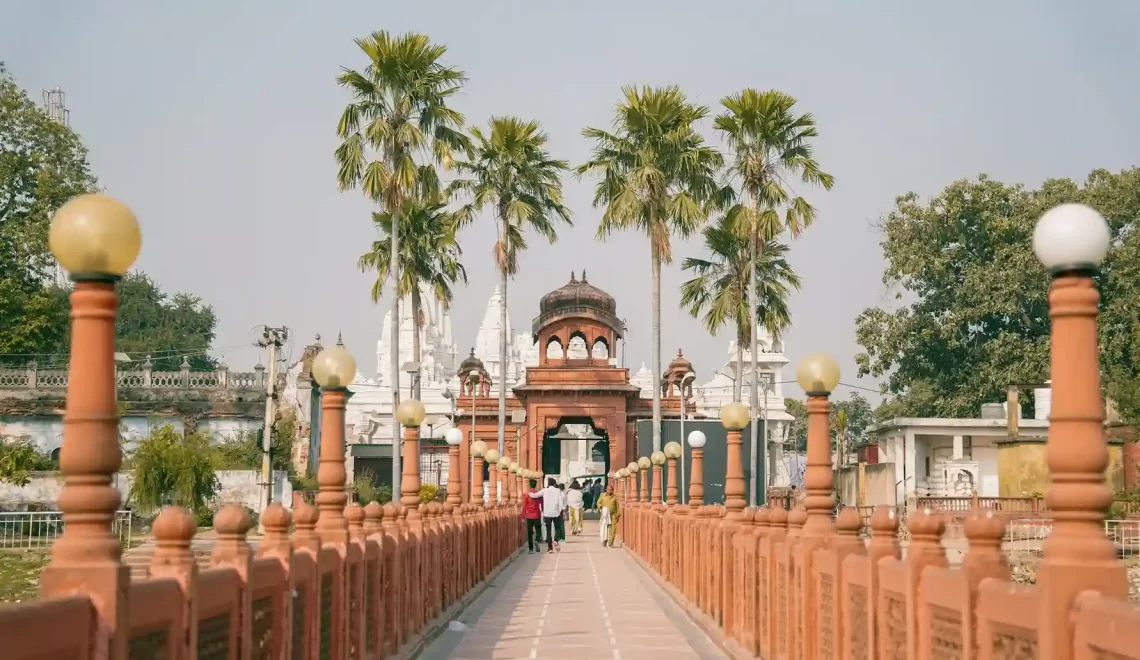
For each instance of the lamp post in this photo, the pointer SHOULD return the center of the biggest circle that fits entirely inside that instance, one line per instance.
(504, 485)
(96, 239)
(478, 448)
(515, 488)
(689, 377)
(672, 452)
(818, 374)
(735, 417)
(1071, 241)
(643, 465)
(657, 459)
(697, 474)
(491, 456)
(454, 438)
(410, 414)
(333, 369)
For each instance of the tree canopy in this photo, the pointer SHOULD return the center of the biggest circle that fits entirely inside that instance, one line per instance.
(43, 164)
(973, 316)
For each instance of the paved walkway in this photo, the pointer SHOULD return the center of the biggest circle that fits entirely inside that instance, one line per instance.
(584, 602)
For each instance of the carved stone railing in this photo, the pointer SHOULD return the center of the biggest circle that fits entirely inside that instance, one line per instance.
(396, 582)
(33, 378)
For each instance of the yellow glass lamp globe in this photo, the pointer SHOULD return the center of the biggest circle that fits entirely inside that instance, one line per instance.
(657, 458)
(623, 473)
(491, 456)
(644, 463)
(514, 468)
(734, 416)
(478, 448)
(632, 467)
(817, 374)
(334, 368)
(672, 450)
(504, 462)
(95, 235)
(411, 413)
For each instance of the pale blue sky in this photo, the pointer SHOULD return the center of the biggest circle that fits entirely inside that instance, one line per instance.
(215, 122)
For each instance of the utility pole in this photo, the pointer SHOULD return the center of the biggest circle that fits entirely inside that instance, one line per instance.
(273, 339)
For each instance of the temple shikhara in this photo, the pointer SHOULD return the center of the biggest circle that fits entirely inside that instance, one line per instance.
(572, 407)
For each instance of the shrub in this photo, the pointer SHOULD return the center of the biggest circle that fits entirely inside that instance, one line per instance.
(19, 457)
(367, 491)
(170, 468)
(429, 493)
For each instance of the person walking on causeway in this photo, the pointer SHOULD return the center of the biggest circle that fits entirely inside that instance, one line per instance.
(532, 514)
(551, 510)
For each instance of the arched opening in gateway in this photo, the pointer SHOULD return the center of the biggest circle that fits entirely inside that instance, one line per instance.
(572, 449)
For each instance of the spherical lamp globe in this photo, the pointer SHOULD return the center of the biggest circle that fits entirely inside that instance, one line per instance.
(622, 473)
(454, 437)
(644, 463)
(672, 450)
(632, 467)
(478, 448)
(504, 462)
(696, 439)
(1071, 237)
(411, 413)
(95, 235)
(334, 368)
(657, 458)
(491, 456)
(513, 468)
(734, 416)
(817, 374)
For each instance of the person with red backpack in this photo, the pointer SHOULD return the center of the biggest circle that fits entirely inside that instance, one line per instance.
(532, 514)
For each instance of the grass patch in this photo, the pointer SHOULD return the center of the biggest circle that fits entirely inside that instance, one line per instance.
(20, 574)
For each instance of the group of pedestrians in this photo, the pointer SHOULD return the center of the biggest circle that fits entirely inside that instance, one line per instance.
(550, 507)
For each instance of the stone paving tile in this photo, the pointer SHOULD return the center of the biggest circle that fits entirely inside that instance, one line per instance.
(584, 602)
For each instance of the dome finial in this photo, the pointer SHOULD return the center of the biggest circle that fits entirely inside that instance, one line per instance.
(339, 338)
(583, 274)
(572, 278)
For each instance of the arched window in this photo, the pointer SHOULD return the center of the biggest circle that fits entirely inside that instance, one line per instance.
(600, 351)
(576, 350)
(554, 349)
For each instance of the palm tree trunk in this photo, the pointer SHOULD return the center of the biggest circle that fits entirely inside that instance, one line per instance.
(503, 237)
(656, 350)
(738, 377)
(395, 348)
(416, 349)
(753, 400)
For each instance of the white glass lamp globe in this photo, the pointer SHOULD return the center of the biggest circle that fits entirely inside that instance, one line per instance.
(697, 439)
(644, 463)
(454, 437)
(1071, 237)
(491, 456)
(334, 368)
(817, 374)
(657, 458)
(478, 448)
(411, 413)
(95, 235)
(734, 416)
(672, 450)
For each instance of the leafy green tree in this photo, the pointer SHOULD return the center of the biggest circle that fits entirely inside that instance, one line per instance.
(848, 420)
(975, 317)
(19, 457)
(657, 176)
(720, 287)
(797, 429)
(429, 257)
(42, 165)
(511, 171)
(769, 144)
(173, 469)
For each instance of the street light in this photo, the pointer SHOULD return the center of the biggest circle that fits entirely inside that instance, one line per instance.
(818, 374)
(454, 438)
(657, 459)
(697, 474)
(410, 414)
(96, 239)
(691, 376)
(478, 449)
(1071, 240)
(673, 451)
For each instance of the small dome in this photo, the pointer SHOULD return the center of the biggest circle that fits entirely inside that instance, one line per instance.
(578, 293)
(680, 363)
(471, 363)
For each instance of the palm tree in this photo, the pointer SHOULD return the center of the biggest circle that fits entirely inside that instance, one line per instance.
(398, 112)
(429, 257)
(770, 144)
(511, 171)
(719, 288)
(657, 175)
